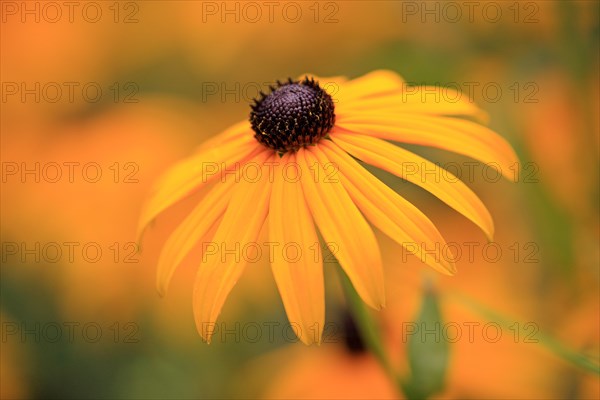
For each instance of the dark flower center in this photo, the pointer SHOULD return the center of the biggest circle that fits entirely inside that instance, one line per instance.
(294, 114)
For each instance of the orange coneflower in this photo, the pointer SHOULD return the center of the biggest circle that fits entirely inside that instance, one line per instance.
(320, 134)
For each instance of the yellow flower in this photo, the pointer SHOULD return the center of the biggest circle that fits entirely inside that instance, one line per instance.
(293, 169)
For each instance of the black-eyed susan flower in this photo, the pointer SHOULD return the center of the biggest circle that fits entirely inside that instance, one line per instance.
(302, 143)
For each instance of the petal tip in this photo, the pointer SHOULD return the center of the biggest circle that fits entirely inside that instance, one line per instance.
(451, 271)
(309, 341)
(377, 304)
(205, 331)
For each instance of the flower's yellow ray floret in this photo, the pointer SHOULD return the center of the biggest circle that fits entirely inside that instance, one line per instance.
(219, 269)
(297, 264)
(456, 135)
(191, 174)
(389, 212)
(342, 225)
(421, 172)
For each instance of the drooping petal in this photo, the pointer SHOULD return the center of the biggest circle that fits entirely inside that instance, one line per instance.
(195, 172)
(343, 227)
(193, 228)
(223, 260)
(456, 135)
(389, 212)
(297, 263)
(416, 100)
(421, 172)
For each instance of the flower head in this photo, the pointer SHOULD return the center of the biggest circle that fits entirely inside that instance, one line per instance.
(302, 143)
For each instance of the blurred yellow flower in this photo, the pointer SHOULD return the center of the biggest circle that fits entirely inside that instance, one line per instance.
(292, 166)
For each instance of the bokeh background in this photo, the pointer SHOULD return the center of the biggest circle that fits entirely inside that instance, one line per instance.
(109, 94)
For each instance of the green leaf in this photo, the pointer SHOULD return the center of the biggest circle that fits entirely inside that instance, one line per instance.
(427, 350)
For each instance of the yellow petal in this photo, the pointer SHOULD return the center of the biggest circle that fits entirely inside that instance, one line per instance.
(342, 225)
(195, 172)
(193, 228)
(296, 264)
(370, 85)
(388, 211)
(456, 135)
(224, 257)
(420, 100)
(421, 172)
